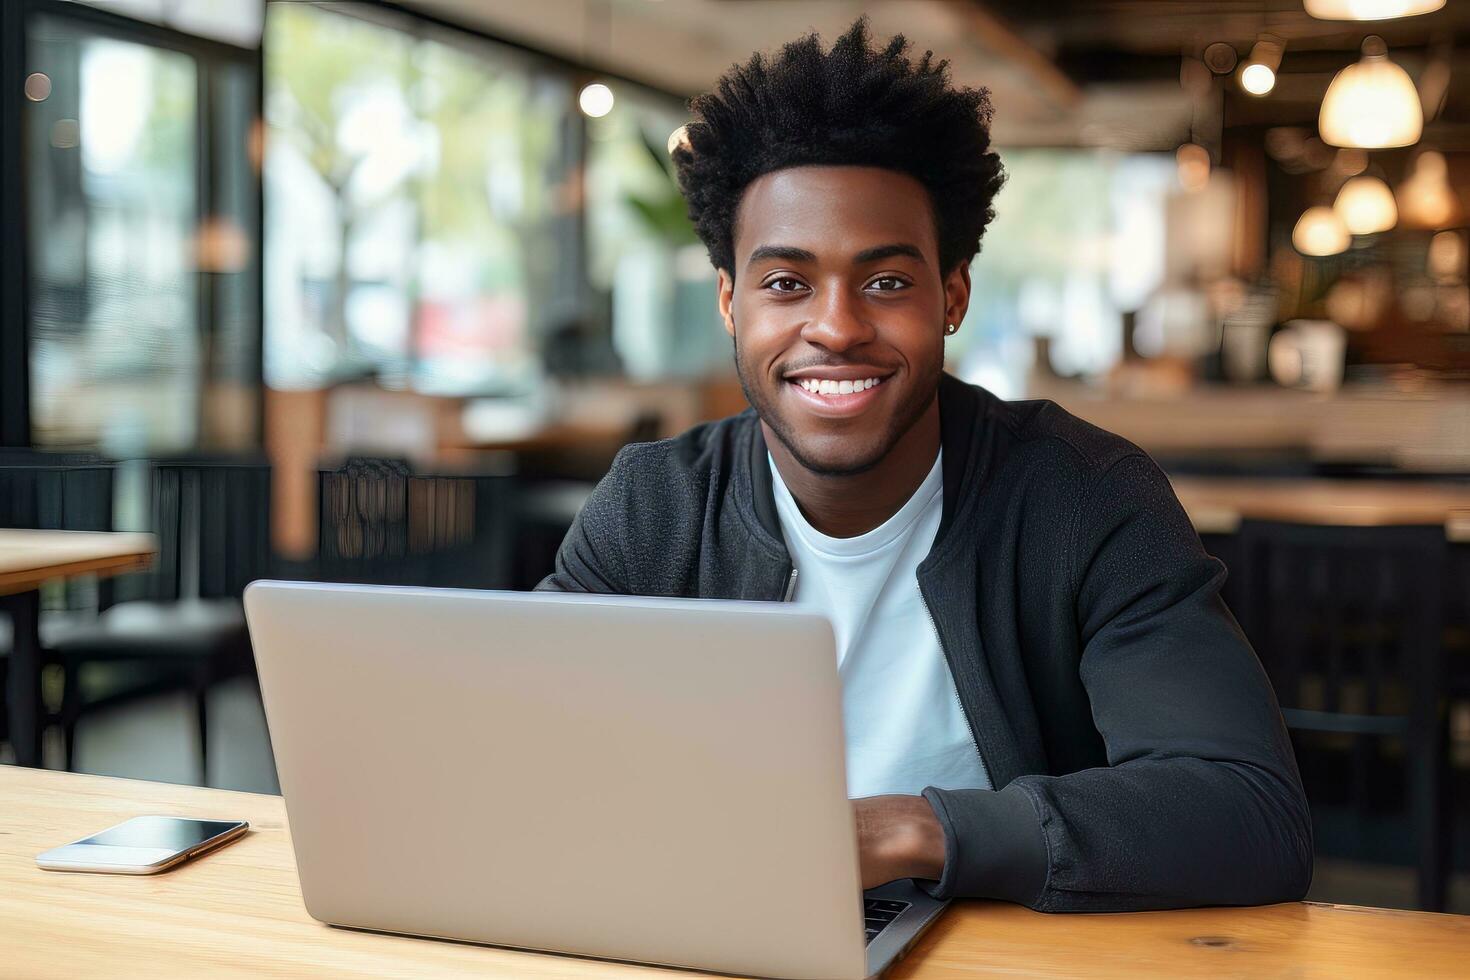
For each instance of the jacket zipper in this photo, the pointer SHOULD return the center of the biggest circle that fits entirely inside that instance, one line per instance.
(959, 700)
(790, 586)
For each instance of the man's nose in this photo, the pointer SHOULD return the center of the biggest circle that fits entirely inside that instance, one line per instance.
(839, 322)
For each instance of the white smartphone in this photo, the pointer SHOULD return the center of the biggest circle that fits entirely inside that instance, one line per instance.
(142, 845)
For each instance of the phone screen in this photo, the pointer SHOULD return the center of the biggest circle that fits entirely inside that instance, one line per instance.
(174, 833)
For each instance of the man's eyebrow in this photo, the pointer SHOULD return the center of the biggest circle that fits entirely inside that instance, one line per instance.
(788, 253)
(879, 252)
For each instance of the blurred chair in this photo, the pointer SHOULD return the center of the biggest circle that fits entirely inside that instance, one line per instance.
(50, 491)
(550, 492)
(1347, 622)
(55, 491)
(363, 526)
(646, 427)
(545, 512)
(1457, 651)
(179, 626)
(382, 523)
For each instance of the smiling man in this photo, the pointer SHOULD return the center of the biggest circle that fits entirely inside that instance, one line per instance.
(1045, 700)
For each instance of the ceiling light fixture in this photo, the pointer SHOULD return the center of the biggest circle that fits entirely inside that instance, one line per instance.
(1320, 231)
(1258, 74)
(596, 100)
(1370, 9)
(1366, 205)
(1425, 197)
(1371, 103)
(1193, 164)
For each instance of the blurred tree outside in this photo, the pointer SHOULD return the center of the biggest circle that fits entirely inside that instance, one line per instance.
(442, 164)
(645, 254)
(319, 68)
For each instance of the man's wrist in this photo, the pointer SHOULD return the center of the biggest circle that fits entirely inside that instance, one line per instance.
(900, 837)
(922, 840)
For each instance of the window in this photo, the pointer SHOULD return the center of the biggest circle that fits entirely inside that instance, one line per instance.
(142, 252)
(644, 255)
(235, 21)
(1077, 240)
(421, 208)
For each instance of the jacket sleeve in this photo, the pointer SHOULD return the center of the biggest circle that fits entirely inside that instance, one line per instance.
(590, 558)
(1201, 802)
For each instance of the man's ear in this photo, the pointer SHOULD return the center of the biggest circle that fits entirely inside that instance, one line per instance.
(726, 289)
(957, 294)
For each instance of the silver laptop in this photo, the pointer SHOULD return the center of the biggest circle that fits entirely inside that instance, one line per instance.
(657, 780)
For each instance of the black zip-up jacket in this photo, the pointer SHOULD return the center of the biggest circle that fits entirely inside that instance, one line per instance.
(1136, 748)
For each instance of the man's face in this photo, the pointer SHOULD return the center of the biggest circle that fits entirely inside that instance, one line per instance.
(837, 282)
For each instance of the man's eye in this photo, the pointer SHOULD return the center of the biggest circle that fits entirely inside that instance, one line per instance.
(785, 284)
(887, 284)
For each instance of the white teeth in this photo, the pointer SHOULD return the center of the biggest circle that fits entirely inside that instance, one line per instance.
(828, 387)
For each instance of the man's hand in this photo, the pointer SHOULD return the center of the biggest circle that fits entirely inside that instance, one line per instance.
(898, 837)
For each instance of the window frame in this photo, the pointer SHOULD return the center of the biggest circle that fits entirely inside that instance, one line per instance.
(210, 56)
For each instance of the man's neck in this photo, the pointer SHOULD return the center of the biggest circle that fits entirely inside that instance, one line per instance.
(846, 506)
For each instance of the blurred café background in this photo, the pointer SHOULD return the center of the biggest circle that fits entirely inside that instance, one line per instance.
(373, 292)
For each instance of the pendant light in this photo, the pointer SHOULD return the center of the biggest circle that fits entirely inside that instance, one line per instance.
(1320, 231)
(1425, 197)
(1370, 9)
(1371, 104)
(595, 99)
(1193, 164)
(1366, 205)
(1258, 74)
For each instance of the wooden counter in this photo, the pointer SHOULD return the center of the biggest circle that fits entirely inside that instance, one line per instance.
(1427, 430)
(1218, 504)
(238, 912)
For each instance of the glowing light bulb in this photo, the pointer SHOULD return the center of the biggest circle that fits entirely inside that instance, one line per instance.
(1370, 9)
(1371, 104)
(1425, 198)
(1320, 231)
(1366, 206)
(1258, 75)
(1257, 79)
(1193, 162)
(596, 100)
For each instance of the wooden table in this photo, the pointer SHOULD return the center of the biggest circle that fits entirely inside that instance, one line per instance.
(1218, 504)
(29, 559)
(238, 912)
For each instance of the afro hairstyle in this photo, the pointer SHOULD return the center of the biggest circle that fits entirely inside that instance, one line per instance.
(854, 105)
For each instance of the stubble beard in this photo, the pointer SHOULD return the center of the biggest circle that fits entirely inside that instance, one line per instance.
(907, 415)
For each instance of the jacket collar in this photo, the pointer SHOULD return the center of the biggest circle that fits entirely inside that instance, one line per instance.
(949, 577)
(961, 407)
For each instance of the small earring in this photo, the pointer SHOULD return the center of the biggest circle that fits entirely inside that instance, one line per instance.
(950, 328)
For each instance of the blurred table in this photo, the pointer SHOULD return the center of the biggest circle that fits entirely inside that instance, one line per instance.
(28, 559)
(553, 436)
(1217, 505)
(238, 912)
(1420, 430)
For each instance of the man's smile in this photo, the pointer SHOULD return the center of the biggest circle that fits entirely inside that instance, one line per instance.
(830, 396)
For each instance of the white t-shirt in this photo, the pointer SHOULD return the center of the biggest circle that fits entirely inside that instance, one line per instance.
(905, 728)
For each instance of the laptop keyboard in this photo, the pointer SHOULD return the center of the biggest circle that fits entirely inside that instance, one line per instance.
(877, 913)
